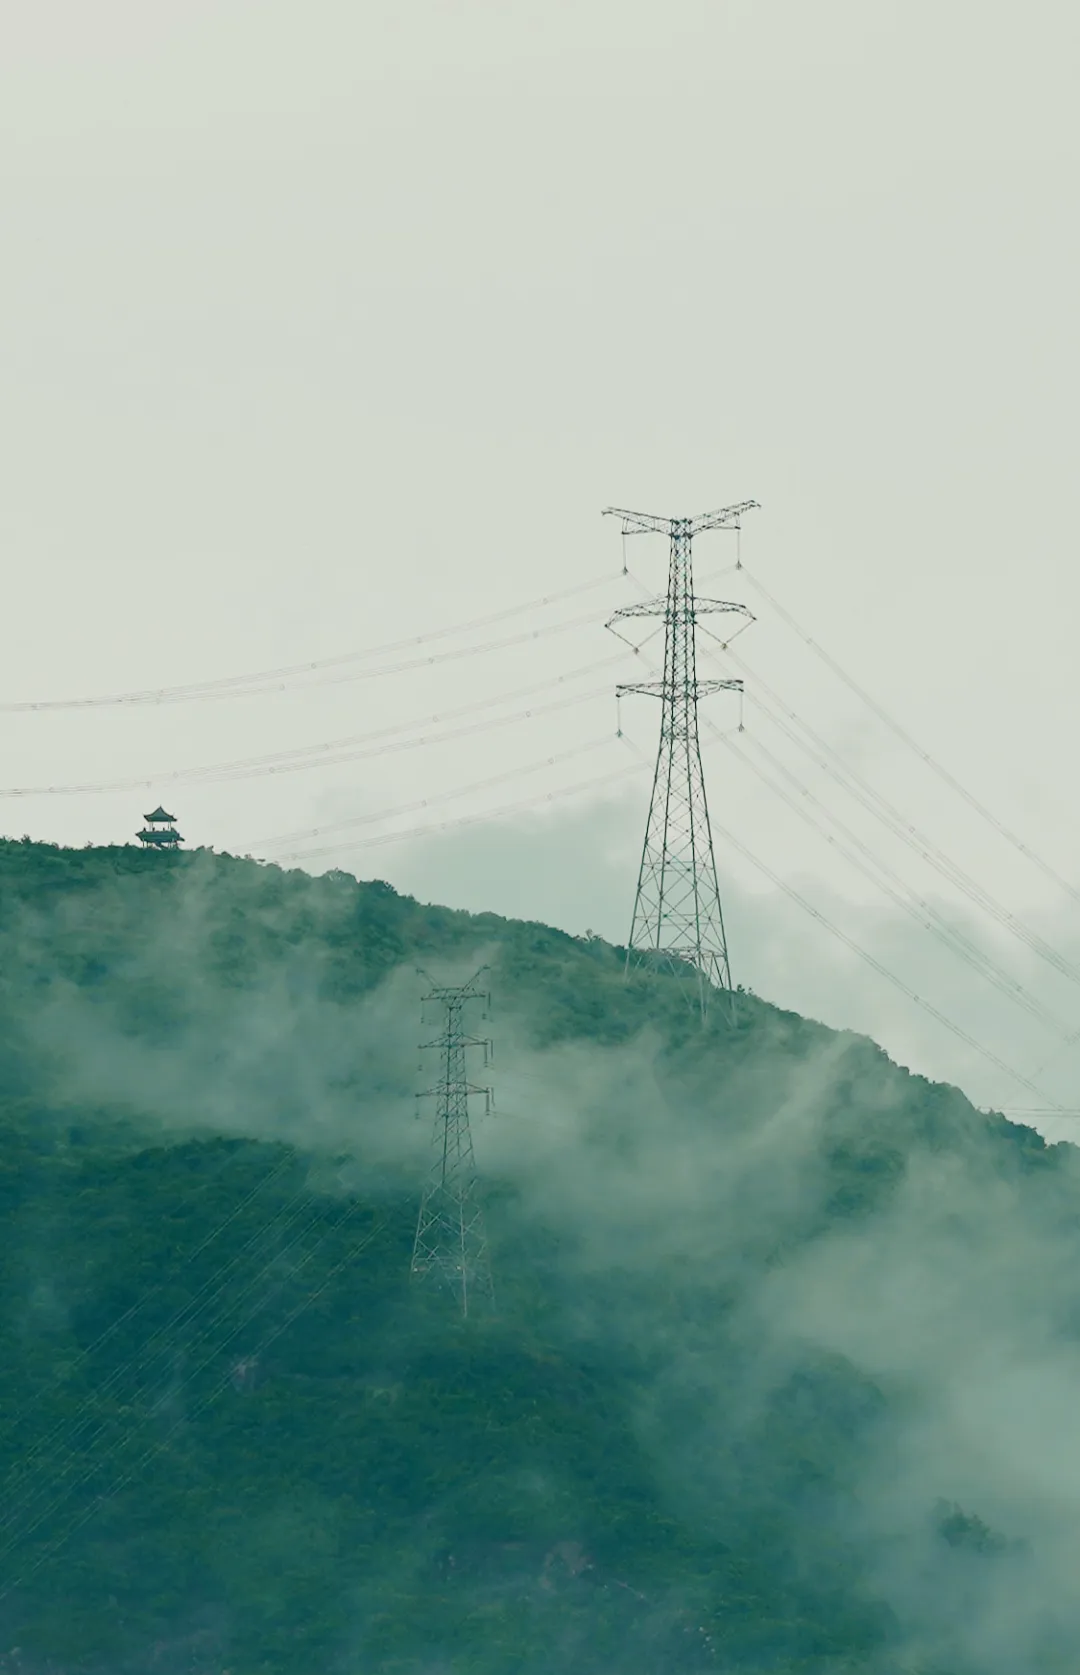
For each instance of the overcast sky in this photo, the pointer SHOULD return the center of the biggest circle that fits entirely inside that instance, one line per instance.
(326, 326)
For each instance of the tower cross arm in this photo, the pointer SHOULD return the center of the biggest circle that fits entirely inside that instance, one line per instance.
(474, 989)
(704, 687)
(661, 689)
(661, 607)
(644, 608)
(459, 1041)
(439, 1090)
(639, 523)
(725, 517)
(706, 607)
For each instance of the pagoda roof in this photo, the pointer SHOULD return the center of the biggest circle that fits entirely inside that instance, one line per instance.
(159, 814)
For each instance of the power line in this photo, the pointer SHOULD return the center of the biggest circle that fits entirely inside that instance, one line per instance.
(437, 719)
(434, 660)
(442, 797)
(72, 1438)
(906, 738)
(488, 817)
(235, 685)
(849, 779)
(1037, 1111)
(871, 960)
(897, 891)
(876, 965)
(513, 640)
(192, 1411)
(328, 756)
(839, 770)
(78, 1468)
(155, 1290)
(889, 881)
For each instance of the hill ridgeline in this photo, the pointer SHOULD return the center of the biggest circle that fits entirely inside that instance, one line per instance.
(782, 1374)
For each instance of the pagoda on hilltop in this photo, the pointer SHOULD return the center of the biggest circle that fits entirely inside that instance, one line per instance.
(160, 831)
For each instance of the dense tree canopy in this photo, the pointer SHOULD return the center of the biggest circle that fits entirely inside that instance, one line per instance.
(235, 1436)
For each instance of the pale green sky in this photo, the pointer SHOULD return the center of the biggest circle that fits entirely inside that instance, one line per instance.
(324, 325)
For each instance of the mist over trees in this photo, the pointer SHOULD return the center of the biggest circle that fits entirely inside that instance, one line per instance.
(782, 1374)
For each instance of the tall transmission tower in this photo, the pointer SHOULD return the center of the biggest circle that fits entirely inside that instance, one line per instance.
(450, 1249)
(677, 914)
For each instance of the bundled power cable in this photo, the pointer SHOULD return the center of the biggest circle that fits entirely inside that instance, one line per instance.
(276, 680)
(944, 774)
(131, 1470)
(382, 741)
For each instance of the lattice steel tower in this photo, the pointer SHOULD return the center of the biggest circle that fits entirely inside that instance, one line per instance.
(677, 914)
(450, 1249)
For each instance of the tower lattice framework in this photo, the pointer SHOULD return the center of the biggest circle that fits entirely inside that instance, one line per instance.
(450, 1249)
(678, 919)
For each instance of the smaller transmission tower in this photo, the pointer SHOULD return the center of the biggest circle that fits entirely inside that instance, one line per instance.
(677, 914)
(450, 1249)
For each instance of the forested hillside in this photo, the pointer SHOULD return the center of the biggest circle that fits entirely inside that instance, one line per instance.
(783, 1372)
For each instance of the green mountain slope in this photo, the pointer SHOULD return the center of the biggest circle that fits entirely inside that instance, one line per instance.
(782, 1371)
